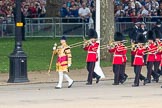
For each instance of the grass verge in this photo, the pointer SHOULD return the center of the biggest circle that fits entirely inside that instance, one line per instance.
(39, 51)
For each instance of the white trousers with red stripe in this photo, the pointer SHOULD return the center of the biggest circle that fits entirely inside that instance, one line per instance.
(61, 76)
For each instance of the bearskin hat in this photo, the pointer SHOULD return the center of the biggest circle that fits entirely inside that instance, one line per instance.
(118, 36)
(63, 38)
(157, 34)
(141, 38)
(150, 35)
(92, 33)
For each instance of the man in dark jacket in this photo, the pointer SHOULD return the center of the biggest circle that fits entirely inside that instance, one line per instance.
(134, 32)
(158, 27)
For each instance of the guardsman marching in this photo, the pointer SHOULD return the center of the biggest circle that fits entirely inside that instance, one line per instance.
(91, 47)
(123, 76)
(139, 61)
(151, 57)
(158, 28)
(118, 51)
(156, 71)
(63, 62)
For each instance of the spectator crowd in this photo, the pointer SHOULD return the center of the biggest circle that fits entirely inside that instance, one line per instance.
(124, 10)
(34, 8)
(137, 10)
(84, 9)
(30, 8)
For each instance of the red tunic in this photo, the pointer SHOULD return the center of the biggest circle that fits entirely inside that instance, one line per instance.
(160, 45)
(138, 58)
(133, 53)
(92, 52)
(161, 62)
(119, 52)
(158, 54)
(152, 48)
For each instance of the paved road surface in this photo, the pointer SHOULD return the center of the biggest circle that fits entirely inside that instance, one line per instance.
(102, 95)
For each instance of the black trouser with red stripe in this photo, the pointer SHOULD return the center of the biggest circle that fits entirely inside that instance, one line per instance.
(116, 70)
(141, 77)
(137, 70)
(160, 71)
(155, 73)
(145, 59)
(149, 70)
(91, 74)
(123, 75)
(132, 59)
(156, 66)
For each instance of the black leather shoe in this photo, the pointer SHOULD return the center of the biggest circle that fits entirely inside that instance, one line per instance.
(88, 83)
(115, 84)
(157, 80)
(98, 79)
(148, 81)
(122, 81)
(125, 78)
(71, 85)
(57, 87)
(135, 85)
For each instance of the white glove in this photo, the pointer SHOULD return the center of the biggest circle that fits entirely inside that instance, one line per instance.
(144, 33)
(54, 48)
(69, 65)
(90, 42)
(146, 46)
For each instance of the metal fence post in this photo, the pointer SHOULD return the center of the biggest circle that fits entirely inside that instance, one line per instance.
(2, 29)
(53, 27)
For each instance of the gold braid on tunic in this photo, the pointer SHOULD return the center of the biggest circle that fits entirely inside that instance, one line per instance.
(64, 58)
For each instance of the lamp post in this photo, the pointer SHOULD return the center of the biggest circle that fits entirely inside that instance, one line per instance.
(18, 59)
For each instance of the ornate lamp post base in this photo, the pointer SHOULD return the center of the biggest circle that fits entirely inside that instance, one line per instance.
(18, 67)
